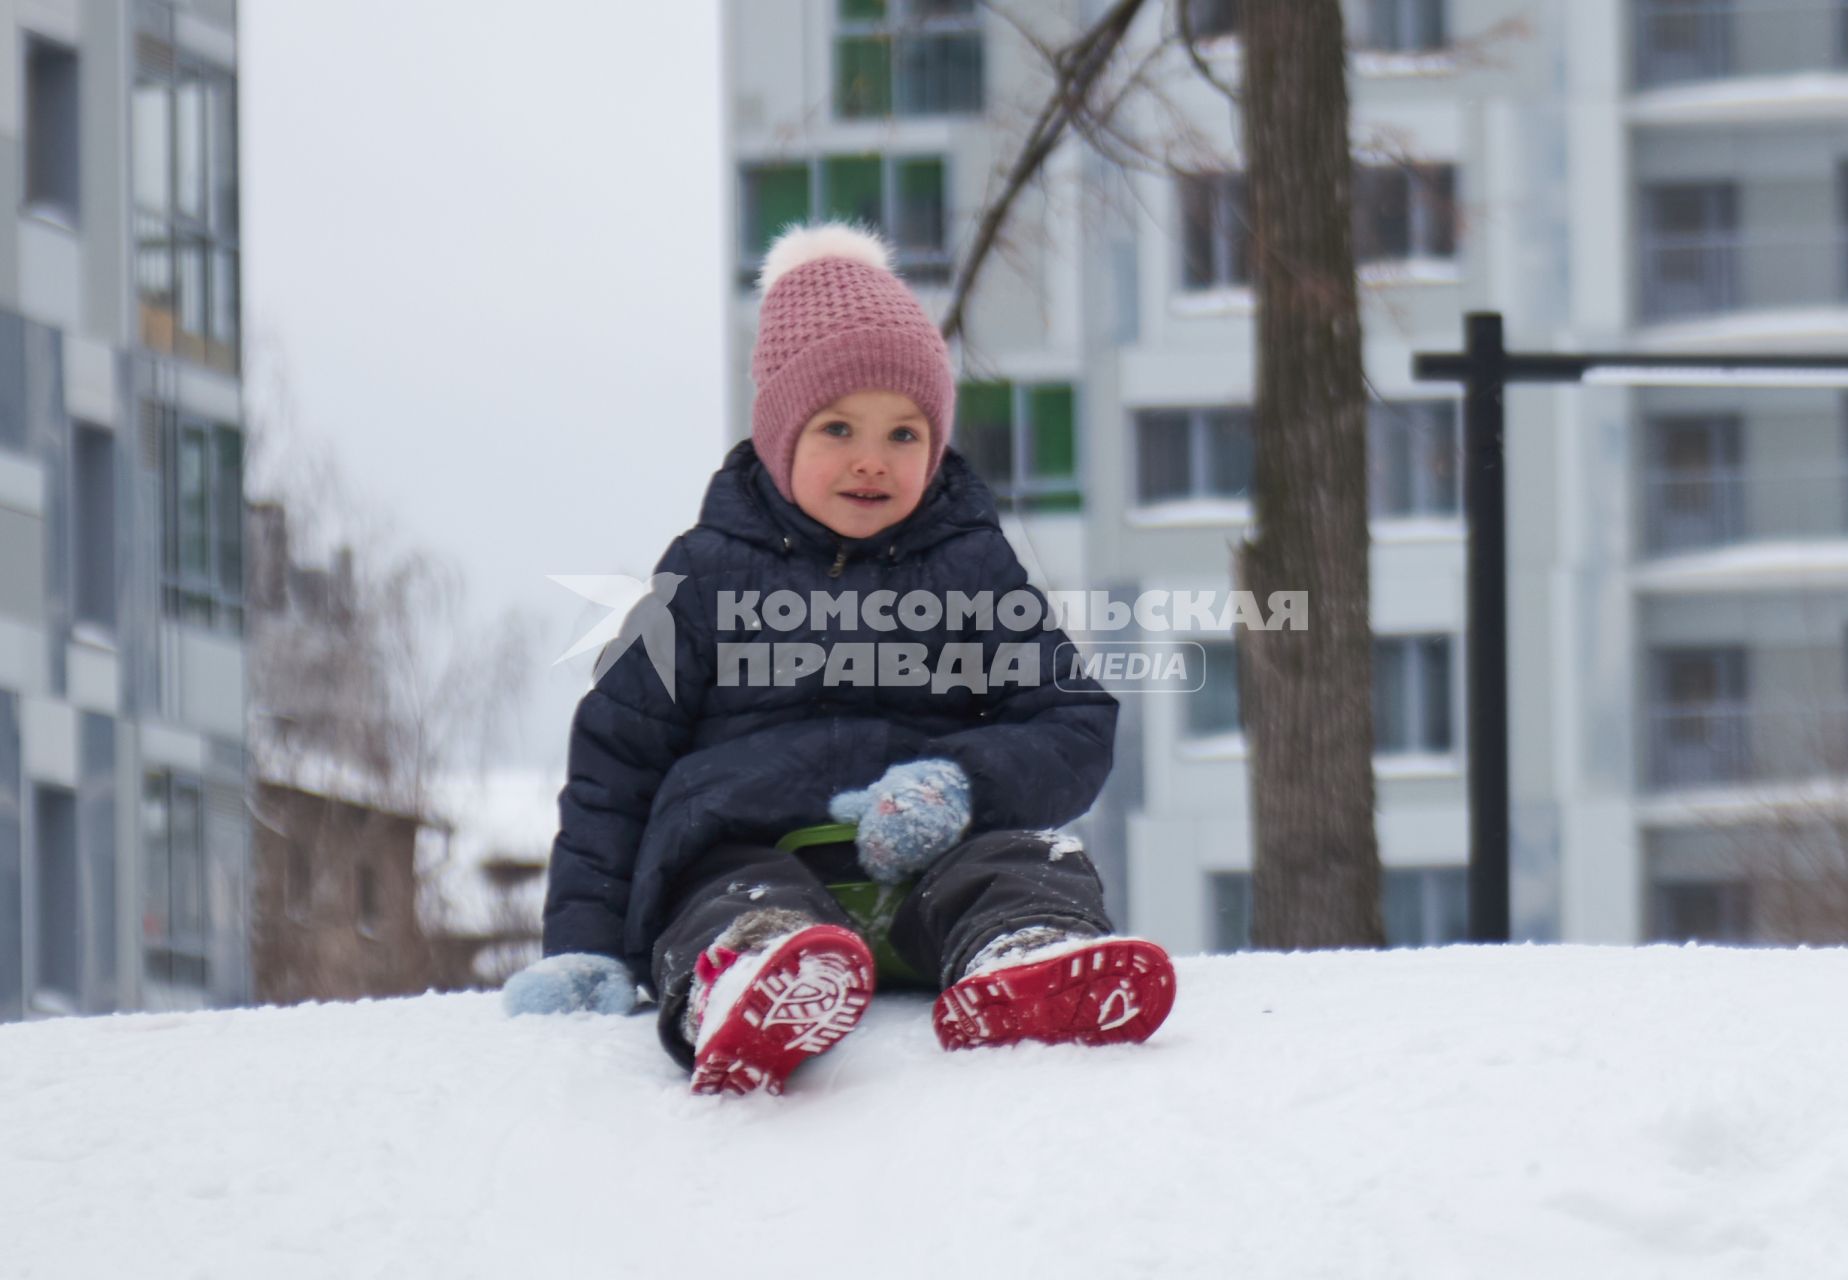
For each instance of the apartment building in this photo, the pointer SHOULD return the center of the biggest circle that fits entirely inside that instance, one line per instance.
(123, 830)
(1610, 174)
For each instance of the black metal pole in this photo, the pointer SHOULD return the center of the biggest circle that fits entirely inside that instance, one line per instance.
(1485, 508)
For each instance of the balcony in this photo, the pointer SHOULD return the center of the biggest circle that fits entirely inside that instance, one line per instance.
(1683, 42)
(1738, 743)
(1689, 511)
(1702, 275)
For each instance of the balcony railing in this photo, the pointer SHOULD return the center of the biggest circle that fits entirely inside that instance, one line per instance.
(1687, 277)
(1686, 41)
(1687, 511)
(1734, 743)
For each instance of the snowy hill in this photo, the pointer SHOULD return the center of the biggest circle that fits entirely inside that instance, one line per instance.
(1467, 1112)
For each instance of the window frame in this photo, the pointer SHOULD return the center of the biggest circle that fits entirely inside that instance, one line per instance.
(1430, 214)
(1029, 492)
(922, 270)
(1194, 734)
(62, 164)
(1419, 418)
(1410, 647)
(899, 24)
(1228, 232)
(205, 595)
(209, 231)
(1199, 456)
(1405, 20)
(193, 950)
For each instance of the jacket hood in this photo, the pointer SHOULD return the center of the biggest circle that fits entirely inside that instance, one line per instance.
(743, 501)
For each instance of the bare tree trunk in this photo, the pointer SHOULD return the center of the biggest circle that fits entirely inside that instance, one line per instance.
(1309, 711)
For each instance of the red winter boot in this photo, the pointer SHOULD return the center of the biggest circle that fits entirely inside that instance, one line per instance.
(761, 1013)
(1041, 984)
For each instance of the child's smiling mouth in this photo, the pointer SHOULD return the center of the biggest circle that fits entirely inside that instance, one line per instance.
(865, 497)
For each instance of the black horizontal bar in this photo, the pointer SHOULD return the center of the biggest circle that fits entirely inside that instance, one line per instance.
(1455, 366)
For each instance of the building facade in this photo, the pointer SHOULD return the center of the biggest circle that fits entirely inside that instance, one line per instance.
(1608, 175)
(124, 834)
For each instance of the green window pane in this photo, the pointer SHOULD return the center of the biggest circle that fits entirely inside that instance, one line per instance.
(1054, 448)
(851, 189)
(921, 216)
(862, 76)
(194, 509)
(985, 429)
(863, 10)
(230, 494)
(773, 199)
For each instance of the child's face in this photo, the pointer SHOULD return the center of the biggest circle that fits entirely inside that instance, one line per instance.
(861, 462)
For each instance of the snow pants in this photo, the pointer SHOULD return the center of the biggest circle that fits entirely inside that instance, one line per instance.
(988, 885)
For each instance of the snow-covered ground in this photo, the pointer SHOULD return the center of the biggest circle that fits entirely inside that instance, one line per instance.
(1570, 1112)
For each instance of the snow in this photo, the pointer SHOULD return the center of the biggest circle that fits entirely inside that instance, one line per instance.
(1745, 100)
(1757, 566)
(1453, 1113)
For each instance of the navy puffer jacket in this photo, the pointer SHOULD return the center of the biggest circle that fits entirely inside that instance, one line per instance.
(655, 781)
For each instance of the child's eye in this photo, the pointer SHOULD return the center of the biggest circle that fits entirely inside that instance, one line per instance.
(905, 434)
(844, 428)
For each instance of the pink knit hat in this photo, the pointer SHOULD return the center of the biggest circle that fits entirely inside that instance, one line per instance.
(836, 320)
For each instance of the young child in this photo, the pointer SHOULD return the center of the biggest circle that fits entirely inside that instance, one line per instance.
(667, 869)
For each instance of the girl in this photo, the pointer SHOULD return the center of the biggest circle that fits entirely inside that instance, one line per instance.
(832, 658)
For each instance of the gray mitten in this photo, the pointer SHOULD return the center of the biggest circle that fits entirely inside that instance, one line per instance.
(907, 818)
(570, 983)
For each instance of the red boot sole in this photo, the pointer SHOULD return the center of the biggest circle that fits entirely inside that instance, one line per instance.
(1116, 991)
(811, 991)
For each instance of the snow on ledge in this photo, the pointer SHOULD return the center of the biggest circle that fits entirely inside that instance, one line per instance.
(1758, 566)
(1520, 1111)
(1189, 513)
(1745, 100)
(1795, 330)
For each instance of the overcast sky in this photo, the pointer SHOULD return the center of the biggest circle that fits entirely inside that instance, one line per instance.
(486, 244)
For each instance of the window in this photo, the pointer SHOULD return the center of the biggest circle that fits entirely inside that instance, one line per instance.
(1694, 482)
(1412, 704)
(1406, 26)
(1412, 459)
(185, 180)
(175, 932)
(1215, 238)
(52, 134)
(59, 914)
(1213, 708)
(905, 198)
(1213, 19)
(1690, 249)
(1425, 906)
(907, 58)
(94, 505)
(1683, 40)
(1420, 906)
(1184, 454)
(202, 479)
(1404, 211)
(1021, 438)
(1699, 731)
(1700, 911)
